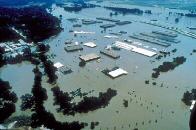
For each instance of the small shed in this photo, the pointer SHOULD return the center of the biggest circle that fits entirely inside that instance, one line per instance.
(90, 44)
(58, 65)
(61, 68)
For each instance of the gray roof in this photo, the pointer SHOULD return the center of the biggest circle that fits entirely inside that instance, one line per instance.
(110, 54)
(73, 48)
(89, 57)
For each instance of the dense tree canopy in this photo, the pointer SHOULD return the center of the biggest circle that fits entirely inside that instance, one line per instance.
(7, 101)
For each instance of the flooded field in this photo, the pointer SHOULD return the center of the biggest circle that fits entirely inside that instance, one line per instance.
(150, 106)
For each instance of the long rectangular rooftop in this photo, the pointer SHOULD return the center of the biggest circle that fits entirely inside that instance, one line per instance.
(165, 33)
(133, 48)
(107, 19)
(107, 25)
(150, 40)
(123, 22)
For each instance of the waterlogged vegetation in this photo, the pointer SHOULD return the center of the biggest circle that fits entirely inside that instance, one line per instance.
(167, 66)
(35, 24)
(189, 96)
(40, 114)
(124, 11)
(7, 100)
(35, 102)
(85, 105)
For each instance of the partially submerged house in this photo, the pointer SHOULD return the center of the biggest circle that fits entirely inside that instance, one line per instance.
(110, 53)
(114, 72)
(58, 65)
(89, 57)
(61, 68)
(90, 44)
(107, 26)
(123, 22)
(72, 48)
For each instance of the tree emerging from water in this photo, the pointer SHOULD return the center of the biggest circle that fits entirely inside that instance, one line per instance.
(7, 100)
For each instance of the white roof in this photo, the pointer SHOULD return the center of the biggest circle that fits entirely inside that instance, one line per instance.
(76, 43)
(83, 32)
(110, 36)
(146, 46)
(90, 44)
(117, 72)
(7, 49)
(124, 45)
(193, 104)
(155, 49)
(58, 65)
(144, 52)
(135, 48)
(108, 47)
(137, 43)
(43, 128)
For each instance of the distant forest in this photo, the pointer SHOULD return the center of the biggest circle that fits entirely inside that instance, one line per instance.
(22, 2)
